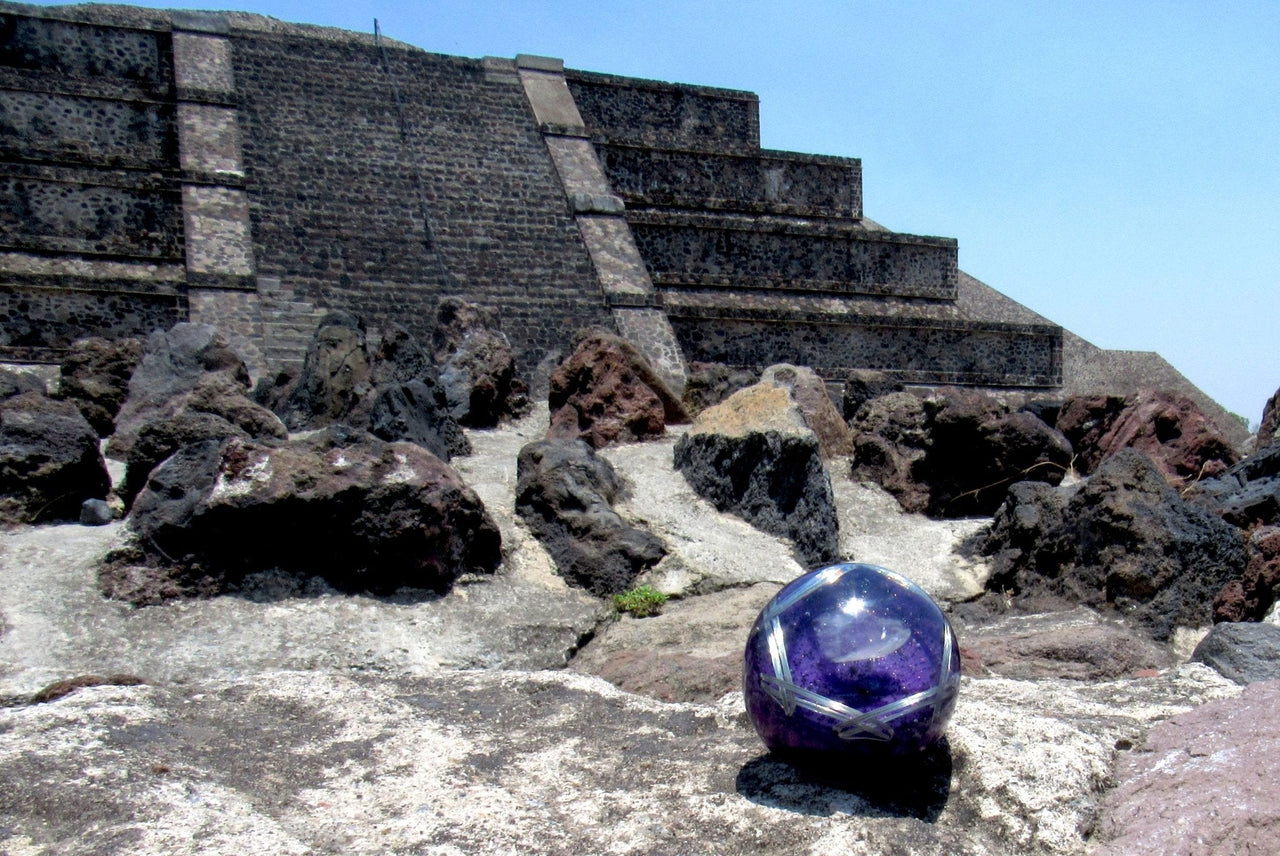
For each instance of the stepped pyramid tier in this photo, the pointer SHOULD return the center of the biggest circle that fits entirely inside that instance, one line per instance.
(222, 167)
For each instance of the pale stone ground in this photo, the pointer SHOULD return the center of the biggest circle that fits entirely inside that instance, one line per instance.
(342, 724)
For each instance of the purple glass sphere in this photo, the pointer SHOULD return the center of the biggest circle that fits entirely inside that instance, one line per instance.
(852, 659)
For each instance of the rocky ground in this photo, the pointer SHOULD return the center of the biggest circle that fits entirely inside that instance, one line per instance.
(518, 714)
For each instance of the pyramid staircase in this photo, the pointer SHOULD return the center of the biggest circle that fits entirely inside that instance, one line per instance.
(759, 257)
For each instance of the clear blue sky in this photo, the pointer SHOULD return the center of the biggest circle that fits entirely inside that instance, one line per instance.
(1115, 166)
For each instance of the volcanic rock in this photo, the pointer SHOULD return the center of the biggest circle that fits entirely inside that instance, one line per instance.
(1245, 652)
(1123, 539)
(1078, 644)
(954, 454)
(1205, 783)
(1247, 494)
(862, 385)
(708, 384)
(335, 375)
(362, 513)
(17, 383)
(1252, 596)
(565, 494)
(477, 365)
(49, 460)
(173, 363)
(606, 392)
(809, 393)
(417, 412)
(1170, 429)
(95, 378)
(754, 456)
(1269, 428)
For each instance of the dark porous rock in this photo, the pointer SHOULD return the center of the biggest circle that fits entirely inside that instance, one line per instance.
(1170, 429)
(95, 378)
(335, 375)
(455, 320)
(220, 395)
(1078, 644)
(861, 386)
(160, 439)
(810, 394)
(1245, 651)
(18, 383)
(890, 436)
(417, 413)
(606, 392)
(1123, 539)
(1269, 427)
(477, 365)
(1247, 494)
(1204, 783)
(954, 454)
(365, 514)
(400, 357)
(753, 455)
(96, 512)
(978, 448)
(1251, 597)
(708, 384)
(565, 493)
(49, 460)
(173, 363)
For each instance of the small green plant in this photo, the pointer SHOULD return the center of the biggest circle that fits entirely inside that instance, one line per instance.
(641, 602)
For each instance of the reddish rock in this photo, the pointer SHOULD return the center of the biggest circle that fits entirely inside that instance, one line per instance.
(955, 454)
(1078, 644)
(1251, 597)
(1205, 783)
(95, 378)
(1269, 429)
(1168, 428)
(810, 394)
(606, 392)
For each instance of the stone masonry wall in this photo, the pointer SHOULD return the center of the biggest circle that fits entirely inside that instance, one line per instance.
(378, 193)
(90, 200)
(666, 115)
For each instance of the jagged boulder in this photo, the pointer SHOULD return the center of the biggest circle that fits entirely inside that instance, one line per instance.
(477, 365)
(708, 384)
(1269, 428)
(1247, 494)
(365, 514)
(809, 392)
(416, 412)
(13, 384)
(565, 493)
(1170, 429)
(95, 378)
(1250, 597)
(606, 392)
(861, 386)
(173, 363)
(1245, 652)
(1123, 539)
(753, 455)
(160, 439)
(335, 375)
(49, 460)
(953, 454)
(978, 447)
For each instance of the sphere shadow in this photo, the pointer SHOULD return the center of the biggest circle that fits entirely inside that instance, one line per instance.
(871, 785)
